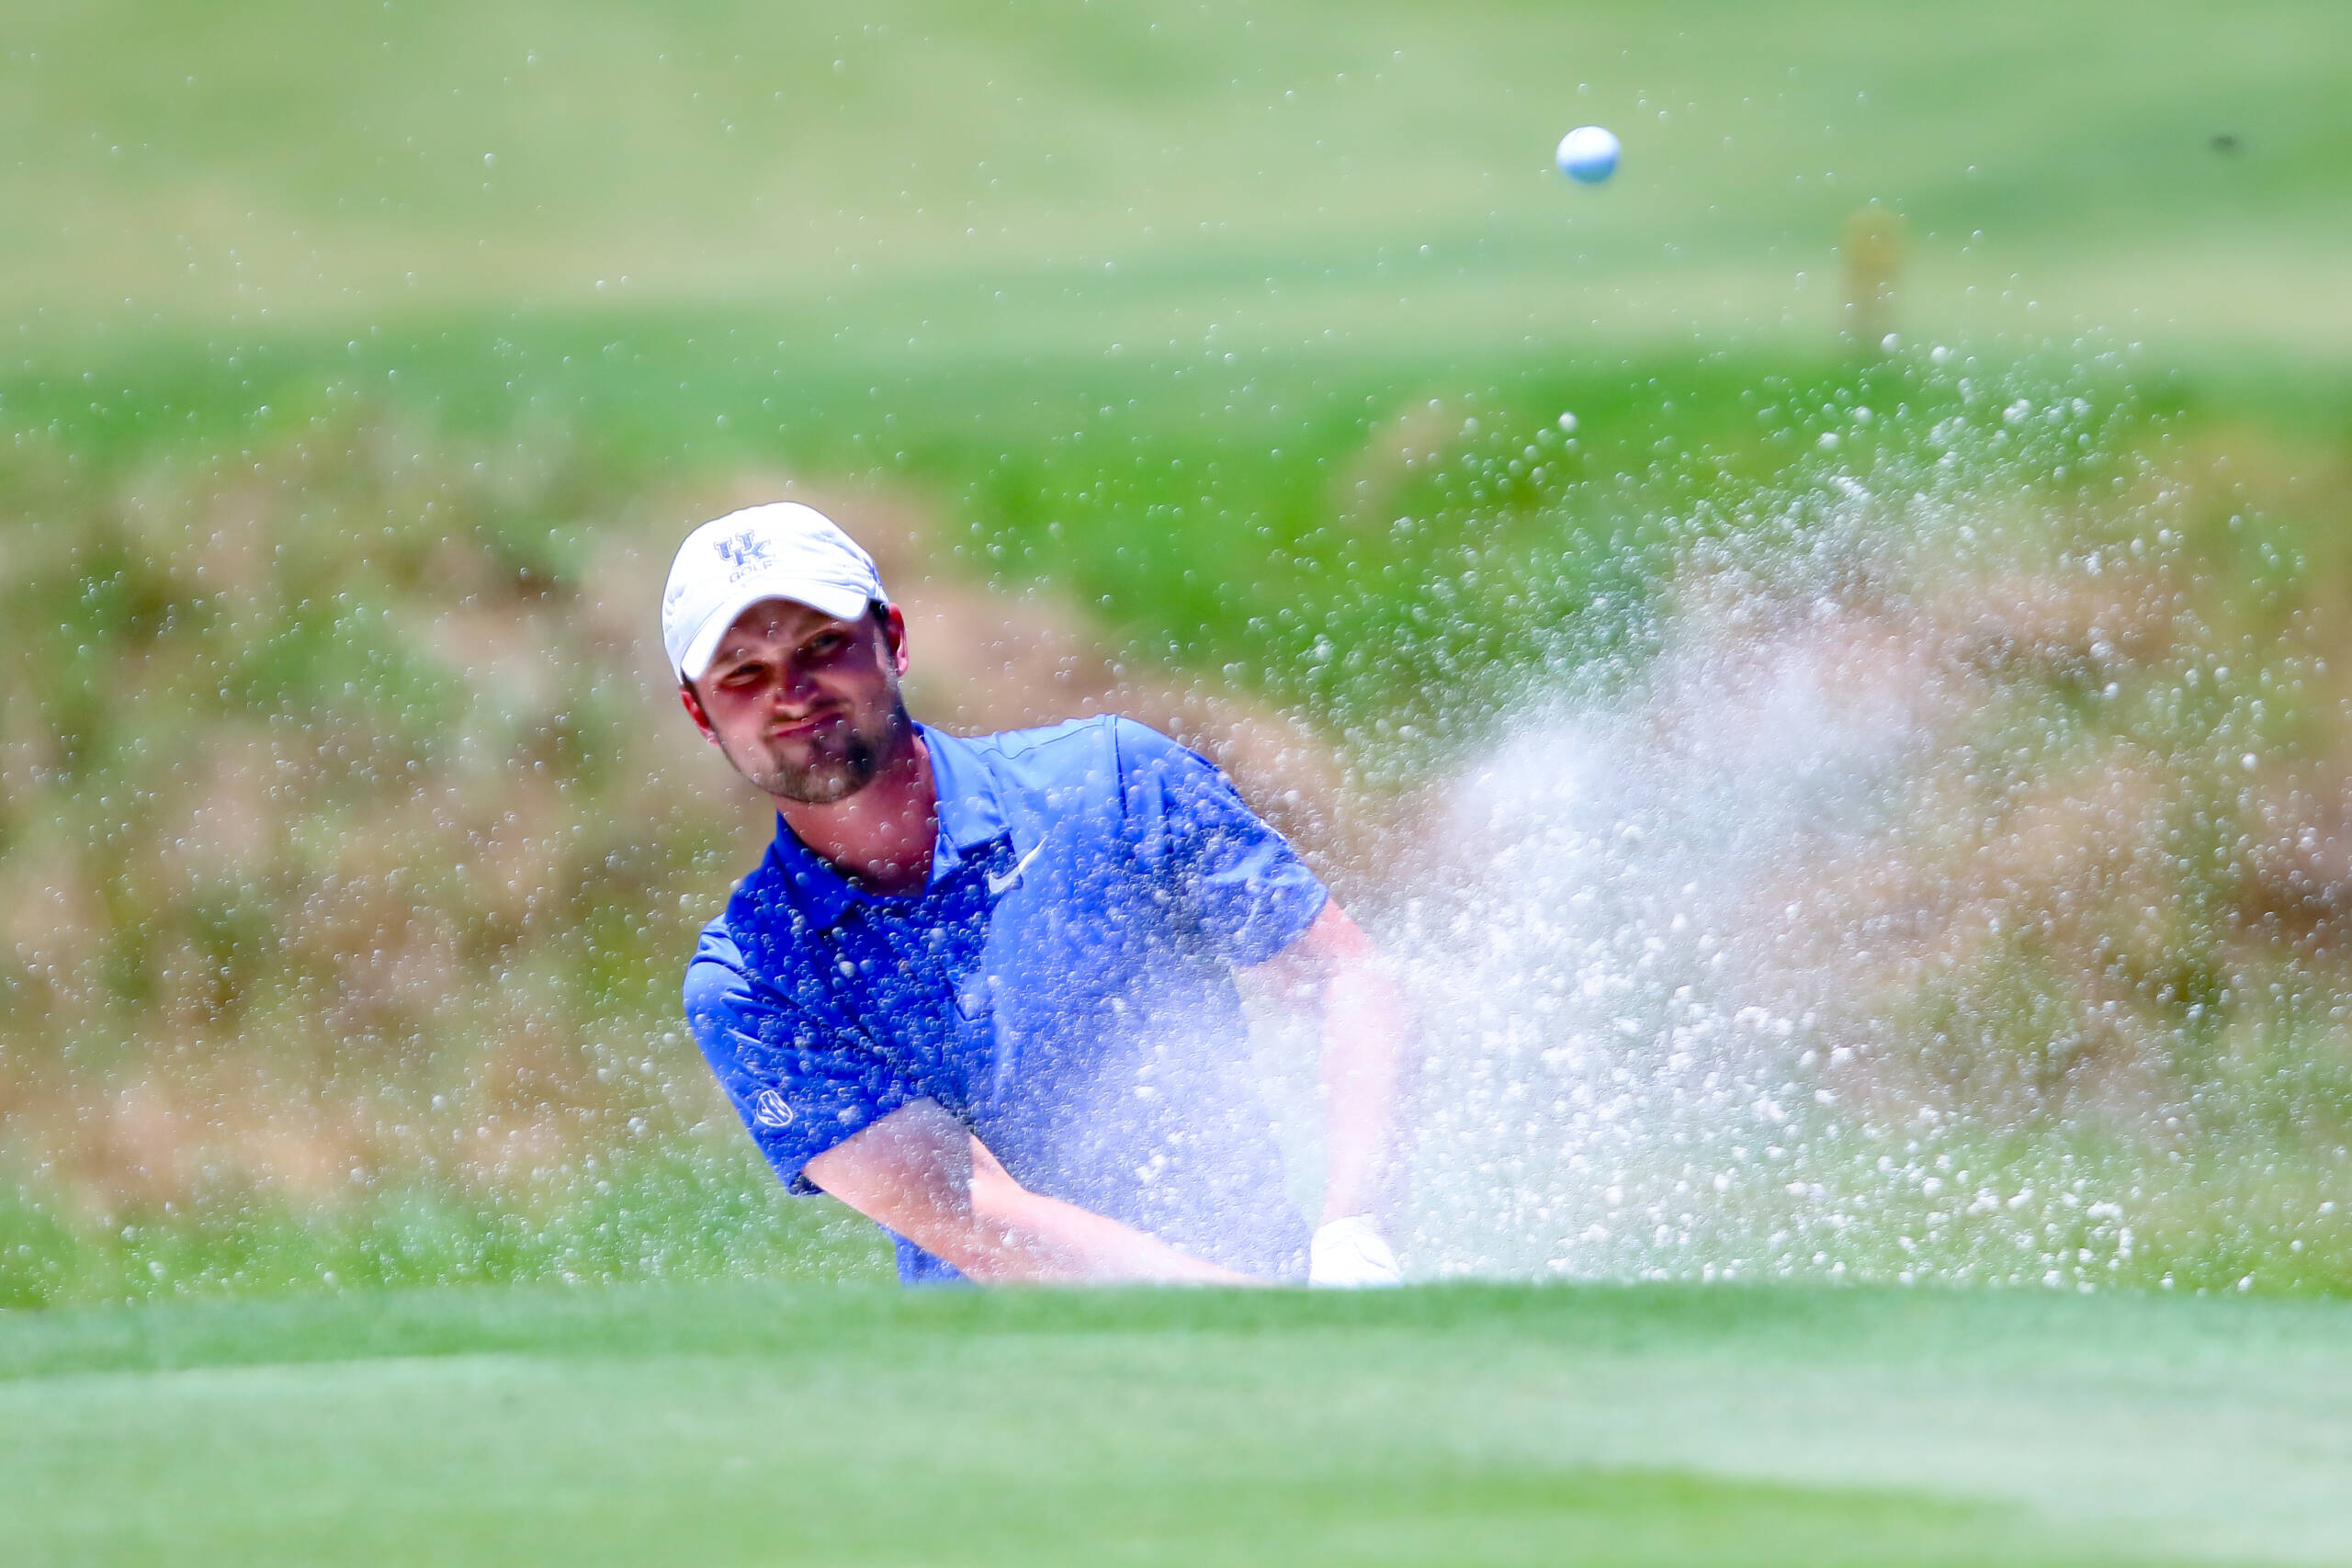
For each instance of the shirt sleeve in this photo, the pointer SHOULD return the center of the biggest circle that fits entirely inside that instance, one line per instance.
(1248, 892)
(799, 1091)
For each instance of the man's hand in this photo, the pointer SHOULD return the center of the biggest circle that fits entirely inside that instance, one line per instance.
(1350, 1255)
(921, 1173)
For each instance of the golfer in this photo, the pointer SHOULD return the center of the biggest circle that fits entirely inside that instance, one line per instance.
(981, 989)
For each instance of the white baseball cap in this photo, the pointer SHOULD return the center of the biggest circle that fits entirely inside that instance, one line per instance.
(782, 550)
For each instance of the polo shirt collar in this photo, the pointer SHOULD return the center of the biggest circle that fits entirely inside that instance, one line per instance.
(971, 816)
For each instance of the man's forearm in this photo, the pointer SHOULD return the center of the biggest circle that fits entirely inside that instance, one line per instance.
(1018, 1234)
(1365, 1021)
(925, 1176)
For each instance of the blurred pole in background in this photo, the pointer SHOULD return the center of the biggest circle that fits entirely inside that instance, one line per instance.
(1871, 243)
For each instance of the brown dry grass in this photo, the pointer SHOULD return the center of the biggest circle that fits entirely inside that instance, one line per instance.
(325, 948)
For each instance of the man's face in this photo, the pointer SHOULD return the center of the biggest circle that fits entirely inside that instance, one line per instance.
(805, 707)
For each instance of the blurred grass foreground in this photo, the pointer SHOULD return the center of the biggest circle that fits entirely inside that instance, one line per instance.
(1859, 783)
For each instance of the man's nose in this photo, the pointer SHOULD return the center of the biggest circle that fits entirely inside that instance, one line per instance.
(793, 690)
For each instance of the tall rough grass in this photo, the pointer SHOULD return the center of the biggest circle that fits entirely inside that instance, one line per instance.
(346, 864)
(350, 845)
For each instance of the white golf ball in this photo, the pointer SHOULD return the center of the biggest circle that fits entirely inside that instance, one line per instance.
(1587, 154)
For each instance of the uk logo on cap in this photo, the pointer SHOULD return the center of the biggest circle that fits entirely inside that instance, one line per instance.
(745, 550)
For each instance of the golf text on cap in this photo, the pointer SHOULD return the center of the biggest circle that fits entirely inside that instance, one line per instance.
(782, 550)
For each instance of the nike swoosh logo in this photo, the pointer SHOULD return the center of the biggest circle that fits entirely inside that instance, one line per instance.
(996, 885)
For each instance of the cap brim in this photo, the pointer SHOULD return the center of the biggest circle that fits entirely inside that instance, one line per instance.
(842, 603)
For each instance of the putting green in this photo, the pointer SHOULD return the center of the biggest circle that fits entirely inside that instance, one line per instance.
(755, 1424)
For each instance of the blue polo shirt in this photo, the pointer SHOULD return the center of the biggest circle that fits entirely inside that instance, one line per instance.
(1063, 984)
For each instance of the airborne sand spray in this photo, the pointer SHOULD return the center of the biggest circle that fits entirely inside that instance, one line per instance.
(1612, 1054)
(1872, 925)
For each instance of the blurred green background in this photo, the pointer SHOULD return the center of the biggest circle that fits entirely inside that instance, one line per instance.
(365, 364)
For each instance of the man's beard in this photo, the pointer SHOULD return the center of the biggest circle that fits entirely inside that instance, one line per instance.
(833, 763)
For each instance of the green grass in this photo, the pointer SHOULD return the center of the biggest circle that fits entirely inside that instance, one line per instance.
(688, 1212)
(759, 1424)
(1239, 522)
(1038, 176)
